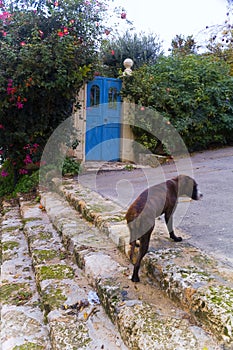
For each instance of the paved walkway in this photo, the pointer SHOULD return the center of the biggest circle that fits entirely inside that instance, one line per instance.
(207, 223)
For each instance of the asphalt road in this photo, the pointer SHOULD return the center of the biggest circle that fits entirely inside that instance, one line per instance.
(208, 223)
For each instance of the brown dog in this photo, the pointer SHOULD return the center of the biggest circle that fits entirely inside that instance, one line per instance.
(151, 203)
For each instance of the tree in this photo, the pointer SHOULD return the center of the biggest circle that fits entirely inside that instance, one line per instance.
(220, 42)
(141, 48)
(47, 50)
(193, 93)
(183, 46)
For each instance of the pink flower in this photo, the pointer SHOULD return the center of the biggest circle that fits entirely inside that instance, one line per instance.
(19, 105)
(10, 90)
(2, 127)
(5, 15)
(23, 171)
(27, 159)
(4, 173)
(22, 43)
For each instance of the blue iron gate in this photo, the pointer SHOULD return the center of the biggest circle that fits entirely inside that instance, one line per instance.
(103, 119)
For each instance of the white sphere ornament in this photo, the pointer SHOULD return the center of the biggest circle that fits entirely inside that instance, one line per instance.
(128, 63)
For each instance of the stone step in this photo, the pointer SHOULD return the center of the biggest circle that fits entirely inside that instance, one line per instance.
(76, 319)
(144, 316)
(22, 320)
(194, 280)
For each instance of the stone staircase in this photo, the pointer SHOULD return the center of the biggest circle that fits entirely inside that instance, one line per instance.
(66, 282)
(47, 302)
(22, 319)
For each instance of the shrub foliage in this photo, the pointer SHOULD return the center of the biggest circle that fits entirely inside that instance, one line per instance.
(47, 50)
(193, 92)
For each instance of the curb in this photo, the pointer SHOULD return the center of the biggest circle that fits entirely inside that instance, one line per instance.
(102, 166)
(198, 284)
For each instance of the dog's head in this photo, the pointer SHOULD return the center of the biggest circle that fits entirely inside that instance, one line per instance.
(187, 186)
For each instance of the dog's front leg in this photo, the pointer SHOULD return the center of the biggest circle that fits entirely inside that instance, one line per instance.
(169, 223)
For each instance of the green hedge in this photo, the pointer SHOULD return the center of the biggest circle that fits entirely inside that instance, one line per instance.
(194, 93)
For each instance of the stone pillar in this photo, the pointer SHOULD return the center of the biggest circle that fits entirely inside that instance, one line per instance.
(127, 137)
(80, 124)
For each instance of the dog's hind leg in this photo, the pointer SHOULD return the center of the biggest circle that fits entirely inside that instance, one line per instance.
(132, 244)
(144, 244)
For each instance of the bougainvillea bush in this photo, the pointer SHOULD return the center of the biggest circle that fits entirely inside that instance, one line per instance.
(48, 48)
(193, 93)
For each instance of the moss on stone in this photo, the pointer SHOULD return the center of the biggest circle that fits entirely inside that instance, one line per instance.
(15, 293)
(221, 296)
(9, 245)
(100, 208)
(203, 260)
(52, 298)
(8, 250)
(37, 227)
(11, 228)
(45, 235)
(117, 218)
(29, 346)
(75, 335)
(42, 235)
(110, 295)
(214, 305)
(40, 256)
(54, 272)
(143, 328)
(4, 211)
(25, 220)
